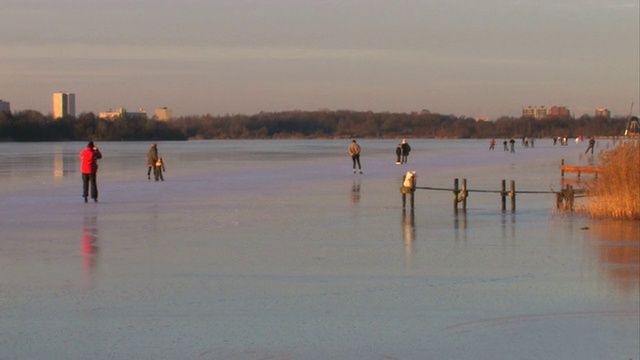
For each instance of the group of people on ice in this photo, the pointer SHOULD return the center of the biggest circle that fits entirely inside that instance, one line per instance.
(402, 154)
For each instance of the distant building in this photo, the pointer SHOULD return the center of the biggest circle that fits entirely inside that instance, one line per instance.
(603, 113)
(64, 104)
(535, 112)
(558, 111)
(482, 118)
(5, 106)
(164, 114)
(540, 112)
(137, 114)
(112, 114)
(122, 113)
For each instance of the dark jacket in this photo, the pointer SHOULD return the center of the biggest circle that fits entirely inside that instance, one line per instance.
(406, 148)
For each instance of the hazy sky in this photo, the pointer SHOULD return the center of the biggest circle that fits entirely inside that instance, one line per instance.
(461, 57)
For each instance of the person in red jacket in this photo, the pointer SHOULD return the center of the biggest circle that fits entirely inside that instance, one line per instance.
(89, 169)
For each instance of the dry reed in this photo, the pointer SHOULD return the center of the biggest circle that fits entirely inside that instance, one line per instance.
(616, 192)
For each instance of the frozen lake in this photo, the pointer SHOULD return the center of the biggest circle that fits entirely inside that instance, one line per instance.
(274, 249)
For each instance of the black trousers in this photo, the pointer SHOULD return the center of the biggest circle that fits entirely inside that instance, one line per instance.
(90, 179)
(356, 159)
(157, 173)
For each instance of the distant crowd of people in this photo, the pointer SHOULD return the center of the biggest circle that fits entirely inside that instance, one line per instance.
(509, 145)
(155, 164)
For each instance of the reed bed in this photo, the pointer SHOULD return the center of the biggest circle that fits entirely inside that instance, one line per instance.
(615, 194)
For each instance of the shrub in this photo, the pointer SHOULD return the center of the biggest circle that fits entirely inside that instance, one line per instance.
(616, 192)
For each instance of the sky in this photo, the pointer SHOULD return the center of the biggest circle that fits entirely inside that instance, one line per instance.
(463, 57)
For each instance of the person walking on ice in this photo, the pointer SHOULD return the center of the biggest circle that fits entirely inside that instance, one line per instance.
(354, 152)
(89, 170)
(159, 169)
(152, 158)
(405, 150)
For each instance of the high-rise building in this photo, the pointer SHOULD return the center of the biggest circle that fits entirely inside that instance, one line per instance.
(5, 106)
(64, 104)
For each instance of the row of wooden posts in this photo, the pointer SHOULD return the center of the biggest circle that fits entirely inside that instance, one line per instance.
(564, 198)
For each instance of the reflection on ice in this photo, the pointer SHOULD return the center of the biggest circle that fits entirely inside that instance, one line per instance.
(89, 246)
(618, 250)
(409, 234)
(355, 191)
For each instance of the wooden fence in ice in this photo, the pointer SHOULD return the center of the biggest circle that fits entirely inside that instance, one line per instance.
(564, 198)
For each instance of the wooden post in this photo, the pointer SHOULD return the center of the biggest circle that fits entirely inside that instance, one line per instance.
(513, 195)
(404, 190)
(559, 199)
(562, 168)
(414, 181)
(570, 196)
(503, 195)
(413, 192)
(464, 195)
(456, 191)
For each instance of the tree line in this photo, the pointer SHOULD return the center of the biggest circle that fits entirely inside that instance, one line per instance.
(31, 125)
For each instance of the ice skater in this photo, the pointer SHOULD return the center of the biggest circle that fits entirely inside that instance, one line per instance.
(398, 154)
(592, 144)
(354, 152)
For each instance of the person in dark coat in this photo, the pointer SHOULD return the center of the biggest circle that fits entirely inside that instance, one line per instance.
(398, 154)
(405, 151)
(592, 144)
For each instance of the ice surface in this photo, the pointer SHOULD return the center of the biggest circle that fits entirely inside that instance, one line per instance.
(275, 249)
